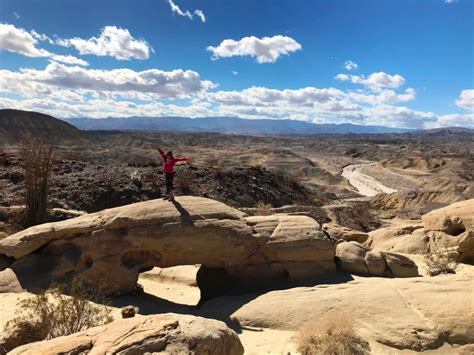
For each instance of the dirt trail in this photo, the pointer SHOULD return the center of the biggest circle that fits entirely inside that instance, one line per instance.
(365, 185)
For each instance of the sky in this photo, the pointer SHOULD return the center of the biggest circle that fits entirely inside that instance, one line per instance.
(398, 63)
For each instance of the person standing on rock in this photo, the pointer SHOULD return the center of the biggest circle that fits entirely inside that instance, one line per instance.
(169, 162)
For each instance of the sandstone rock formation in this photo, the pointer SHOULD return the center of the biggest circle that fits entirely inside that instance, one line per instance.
(110, 248)
(339, 232)
(165, 333)
(448, 227)
(356, 258)
(404, 313)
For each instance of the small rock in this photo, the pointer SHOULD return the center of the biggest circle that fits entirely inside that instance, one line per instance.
(129, 311)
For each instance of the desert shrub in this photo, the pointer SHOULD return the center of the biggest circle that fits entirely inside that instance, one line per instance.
(54, 314)
(37, 159)
(332, 334)
(263, 209)
(440, 261)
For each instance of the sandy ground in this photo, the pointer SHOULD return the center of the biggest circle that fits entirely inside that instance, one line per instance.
(175, 285)
(173, 290)
(366, 185)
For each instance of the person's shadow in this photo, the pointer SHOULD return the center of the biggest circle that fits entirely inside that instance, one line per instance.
(185, 216)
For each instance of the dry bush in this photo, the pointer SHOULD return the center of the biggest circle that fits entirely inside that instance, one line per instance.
(263, 209)
(53, 314)
(37, 159)
(440, 261)
(332, 334)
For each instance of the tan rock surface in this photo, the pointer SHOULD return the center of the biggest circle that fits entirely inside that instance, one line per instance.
(404, 313)
(165, 333)
(447, 227)
(356, 258)
(192, 230)
(336, 231)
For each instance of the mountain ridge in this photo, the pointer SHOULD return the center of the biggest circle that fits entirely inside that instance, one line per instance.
(226, 125)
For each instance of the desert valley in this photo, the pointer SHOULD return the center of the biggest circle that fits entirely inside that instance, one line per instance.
(266, 234)
(236, 177)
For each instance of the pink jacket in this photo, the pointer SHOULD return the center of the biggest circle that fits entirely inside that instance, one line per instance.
(169, 162)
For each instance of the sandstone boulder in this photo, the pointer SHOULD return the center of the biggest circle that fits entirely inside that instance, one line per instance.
(454, 219)
(357, 259)
(338, 232)
(110, 248)
(376, 264)
(351, 257)
(450, 227)
(164, 334)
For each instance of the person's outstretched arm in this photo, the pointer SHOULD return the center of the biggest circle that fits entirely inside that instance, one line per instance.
(182, 159)
(162, 153)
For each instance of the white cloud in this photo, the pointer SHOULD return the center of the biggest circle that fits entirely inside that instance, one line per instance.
(16, 15)
(112, 41)
(235, 72)
(375, 81)
(200, 14)
(455, 120)
(350, 65)
(20, 41)
(176, 9)
(383, 97)
(161, 84)
(41, 37)
(466, 100)
(450, 1)
(261, 96)
(265, 50)
(69, 59)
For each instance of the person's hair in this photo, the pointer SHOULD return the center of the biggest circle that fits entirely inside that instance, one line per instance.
(170, 153)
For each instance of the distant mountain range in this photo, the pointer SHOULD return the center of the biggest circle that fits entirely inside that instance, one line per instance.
(226, 125)
(16, 125)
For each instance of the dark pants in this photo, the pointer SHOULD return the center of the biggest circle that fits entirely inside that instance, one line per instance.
(169, 182)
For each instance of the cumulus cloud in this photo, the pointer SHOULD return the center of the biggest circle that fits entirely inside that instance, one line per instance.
(176, 9)
(350, 65)
(375, 81)
(162, 84)
(262, 96)
(112, 41)
(383, 97)
(466, 100)
(69, 59)
(455, 120)
(20, 41)
(265, 50)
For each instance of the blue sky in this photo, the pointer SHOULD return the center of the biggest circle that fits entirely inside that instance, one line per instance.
(405, 63)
